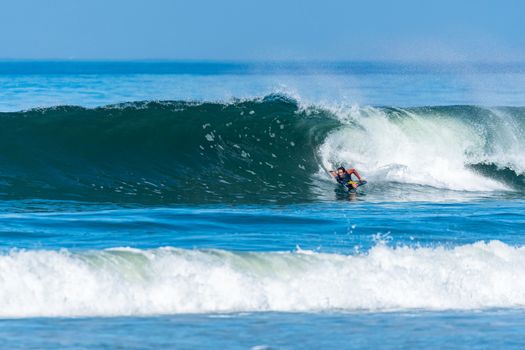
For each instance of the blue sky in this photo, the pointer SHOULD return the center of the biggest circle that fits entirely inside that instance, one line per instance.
(406, 30)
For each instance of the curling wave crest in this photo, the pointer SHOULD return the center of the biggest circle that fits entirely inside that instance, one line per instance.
(271, 149)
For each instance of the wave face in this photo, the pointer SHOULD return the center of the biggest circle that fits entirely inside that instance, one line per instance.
(125, 281)
(163, 151)
(270, 149)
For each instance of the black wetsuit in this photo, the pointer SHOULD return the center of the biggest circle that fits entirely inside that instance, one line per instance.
(343, 180)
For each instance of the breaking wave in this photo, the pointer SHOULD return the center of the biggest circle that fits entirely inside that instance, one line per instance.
(271, 149)
(125, 281)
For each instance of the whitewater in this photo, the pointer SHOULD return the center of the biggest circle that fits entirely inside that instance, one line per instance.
(177, 202)
(125, 281)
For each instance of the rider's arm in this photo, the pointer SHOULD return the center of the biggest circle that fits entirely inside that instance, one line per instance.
(333, 173)
(353, 171)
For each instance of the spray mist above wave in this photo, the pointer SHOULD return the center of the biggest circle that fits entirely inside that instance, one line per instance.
(126, 281)
(263, 150)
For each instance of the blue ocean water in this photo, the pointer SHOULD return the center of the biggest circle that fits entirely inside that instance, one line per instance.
(187, 205)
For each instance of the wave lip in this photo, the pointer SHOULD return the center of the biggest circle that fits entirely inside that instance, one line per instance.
(124, 281)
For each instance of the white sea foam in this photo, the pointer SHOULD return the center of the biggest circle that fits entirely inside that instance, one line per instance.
(431, 149)
(170, 281)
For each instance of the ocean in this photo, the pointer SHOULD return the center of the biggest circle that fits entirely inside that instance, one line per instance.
(187, 205)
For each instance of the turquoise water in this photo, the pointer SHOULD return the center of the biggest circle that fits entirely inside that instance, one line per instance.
(187, 205)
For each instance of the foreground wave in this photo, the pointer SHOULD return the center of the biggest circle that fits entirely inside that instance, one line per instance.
(270, 149)
(126, 281)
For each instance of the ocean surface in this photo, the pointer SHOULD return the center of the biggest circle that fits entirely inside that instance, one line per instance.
(187, 205)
